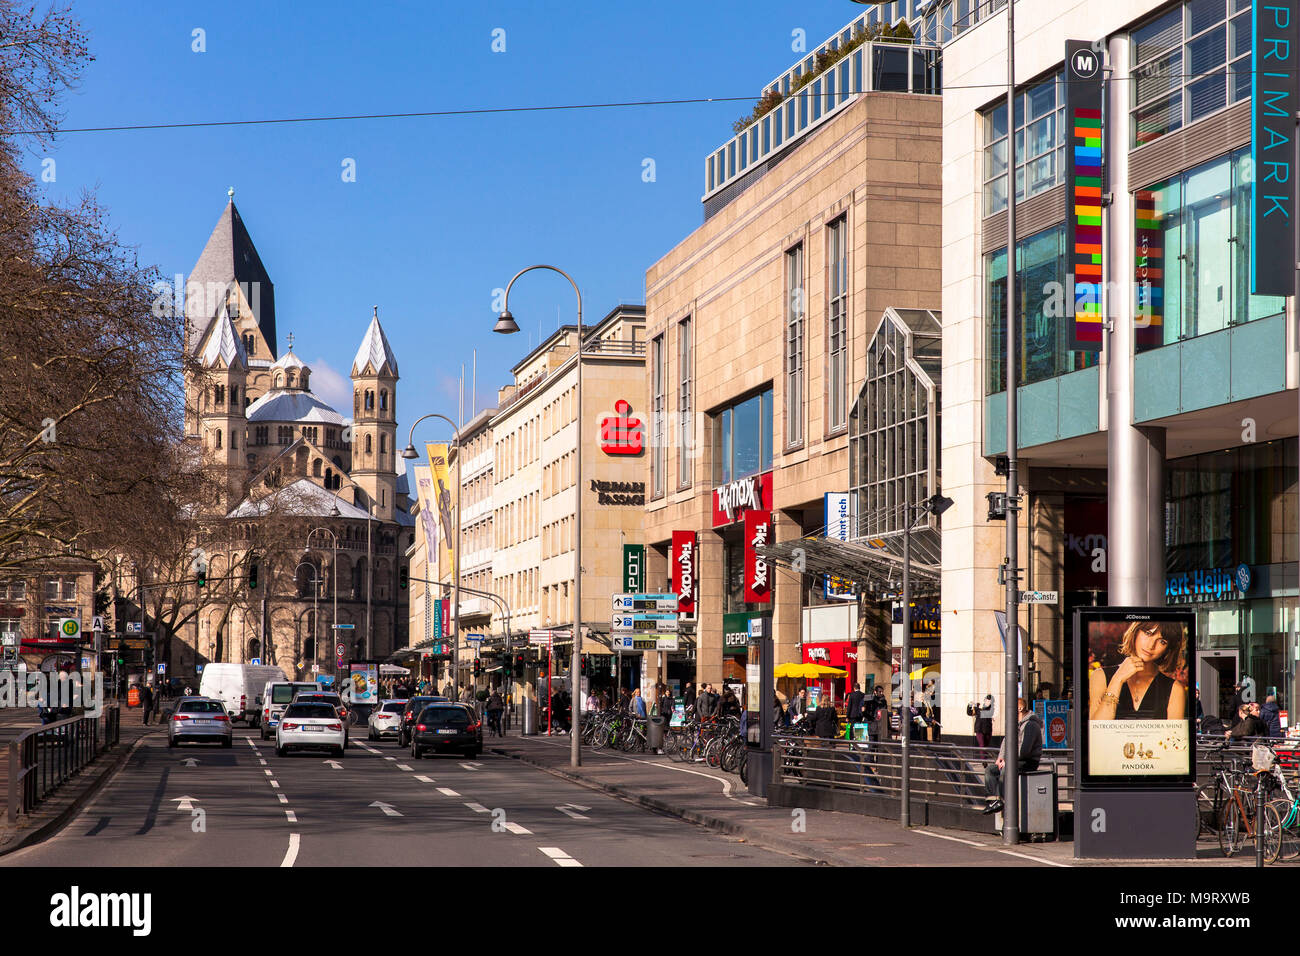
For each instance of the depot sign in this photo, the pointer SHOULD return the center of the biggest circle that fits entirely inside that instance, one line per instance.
(732, 500)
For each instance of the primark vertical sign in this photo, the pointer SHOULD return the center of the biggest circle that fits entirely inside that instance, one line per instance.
(1275, 96)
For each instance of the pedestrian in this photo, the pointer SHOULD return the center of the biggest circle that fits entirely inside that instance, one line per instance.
(688, 695)
(1248, 725)
(666, 702)
(799, 706)
(146, 701)
(1030, 752)
(704, 702)
(825, 721)
(1271, 714)
(593, 701)
(638, 704)
(853, 709)
(730, 704)
(495, 705)
(984, 722)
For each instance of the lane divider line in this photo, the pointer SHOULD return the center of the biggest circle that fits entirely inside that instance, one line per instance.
(402, 766)
(292, 853)
(293, 817)
(477, 807)
(516, 828)
(283, 798)
(423, 779)
(268, 773)
(274, 784)
(558, 856)
(448, 792)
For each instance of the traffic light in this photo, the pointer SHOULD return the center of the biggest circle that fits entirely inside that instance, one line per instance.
(584, 665)
(252, 574)
(121, 653)
(519, 666)
(201, 577)
(148, 656)
(403, 577)
(478, 667)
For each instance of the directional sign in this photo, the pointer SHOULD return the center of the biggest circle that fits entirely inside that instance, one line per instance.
(334, 763)
(474, 638)
(190, 762)
(1040, 597)
(568, 809)
(626, 603)
(642, 623)
(345, 627)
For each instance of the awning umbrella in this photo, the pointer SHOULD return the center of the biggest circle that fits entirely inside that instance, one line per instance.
(807, 670)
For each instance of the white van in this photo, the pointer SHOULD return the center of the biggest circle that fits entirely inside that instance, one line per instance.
(276, 696)
(239, 687)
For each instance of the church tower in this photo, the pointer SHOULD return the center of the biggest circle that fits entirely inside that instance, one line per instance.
(374, 421)
(221, 381)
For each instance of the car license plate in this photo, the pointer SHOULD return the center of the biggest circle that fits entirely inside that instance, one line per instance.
(312, 728)
(202, 720)
(446, 731)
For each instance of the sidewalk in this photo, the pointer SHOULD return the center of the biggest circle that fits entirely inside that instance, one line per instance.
(61, 805)
(719, 801)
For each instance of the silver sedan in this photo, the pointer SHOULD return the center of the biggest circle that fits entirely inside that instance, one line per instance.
(310, 727)
(386, 719)
(199, 718)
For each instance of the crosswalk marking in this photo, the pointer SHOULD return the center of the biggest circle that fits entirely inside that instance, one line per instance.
(423, 779)
(477, 807)
(559, 856)
(448, 792)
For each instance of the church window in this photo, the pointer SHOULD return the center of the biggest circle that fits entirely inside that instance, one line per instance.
(370, 400)
(315, 468)
(383, 444)
(219, 394)
(279, 380)
(218, 445)
(234, 396)
(356, 401)
(369, 449)
(383, 399)
(232, 439)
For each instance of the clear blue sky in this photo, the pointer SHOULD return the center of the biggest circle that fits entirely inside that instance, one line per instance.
(443, 209)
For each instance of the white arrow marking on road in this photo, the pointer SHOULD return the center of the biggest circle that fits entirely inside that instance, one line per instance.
(448, 792)
(387, 808)
(423, 779)
(185, 803)
(333, 763)
(190, 761)
(569, 813)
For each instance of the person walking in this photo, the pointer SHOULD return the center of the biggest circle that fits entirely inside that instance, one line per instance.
(825, 721)
(688, 696)
(638, 704)
(704, 702)
(984, 722)
(1271, 714)
(146, 701)
(853, 708)
(495, 706)
(1030, 752)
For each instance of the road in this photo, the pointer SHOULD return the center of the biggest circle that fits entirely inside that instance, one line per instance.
(205, 806)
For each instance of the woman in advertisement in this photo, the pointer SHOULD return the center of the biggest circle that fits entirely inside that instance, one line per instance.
(1141, 686)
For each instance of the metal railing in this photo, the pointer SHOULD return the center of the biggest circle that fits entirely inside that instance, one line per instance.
(44, 758)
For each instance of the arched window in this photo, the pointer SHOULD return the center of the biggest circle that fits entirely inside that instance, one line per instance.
(292, 379)
(329, 477)
(309, 644)
(383, 444)
(232, 439)
(369, 449)
(254, 648)
(315, 468)
(383, 399)
(279, 380)
(219, 394)
(370, 400)
(356, 401)
(234, 396)
(218, 445)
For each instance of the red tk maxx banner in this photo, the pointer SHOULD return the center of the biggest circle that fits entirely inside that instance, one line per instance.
(685, 559)
(758, 572)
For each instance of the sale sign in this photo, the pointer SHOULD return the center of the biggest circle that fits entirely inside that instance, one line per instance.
(686, 566)
(758, 576)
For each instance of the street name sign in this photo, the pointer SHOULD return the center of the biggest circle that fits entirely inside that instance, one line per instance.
(1040, 597)
(639, 601)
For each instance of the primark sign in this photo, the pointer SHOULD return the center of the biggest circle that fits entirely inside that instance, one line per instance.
(1275, 97)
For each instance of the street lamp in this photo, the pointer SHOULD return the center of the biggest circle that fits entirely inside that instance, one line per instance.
(505, 325)
(935, 505)
(409, 452)
(370, 559)
(315, 595)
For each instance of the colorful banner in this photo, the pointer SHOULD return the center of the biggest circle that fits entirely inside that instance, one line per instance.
(445, 498)
(1136, 725)
(364, 683)
(1083, 185)
(1275, 97)
(685, 561)
(428, 519)
(758, 573)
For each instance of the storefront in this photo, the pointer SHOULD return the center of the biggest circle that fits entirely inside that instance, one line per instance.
(839, 654)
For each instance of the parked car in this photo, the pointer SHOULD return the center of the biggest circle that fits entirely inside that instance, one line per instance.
(199, 718)
(447, 727)
(310, 726)
(386, 719)
(239, 687)
(276, 696)
(413, 707)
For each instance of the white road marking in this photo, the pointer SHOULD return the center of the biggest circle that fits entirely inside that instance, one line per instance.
(390, 758)
(1025, 856)
(268, 773)
(402, 766)
(333, 763)
(472, 766)
(293, 817)
(292, 853)
(569, 813)
(190, 761)
(477, 807)
(184, 803)
(986, 846)
(274, 784)
(726, 784)
(944, 836)
(283, 798)
(423, 779)
(516, 828)
(559, 856)
(448, 792)
(387, 808)
(366, 747)
(249, 741)
(261, 761)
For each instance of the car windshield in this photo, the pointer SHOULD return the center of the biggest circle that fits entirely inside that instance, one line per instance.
(393, 707)
(444, 717)
(282, 693)
(310, 710)
(202, 707)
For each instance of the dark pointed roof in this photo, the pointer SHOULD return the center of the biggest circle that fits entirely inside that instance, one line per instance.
(229, 256)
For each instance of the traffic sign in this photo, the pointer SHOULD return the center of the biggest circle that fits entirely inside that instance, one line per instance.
(474, 638)
(162, 668)
(339, 651)
(639, 601)
(133, 627)
(637, 642)
(1040, 597)
(97, 623)
(344, 627)
(650, 622)
(256, 661)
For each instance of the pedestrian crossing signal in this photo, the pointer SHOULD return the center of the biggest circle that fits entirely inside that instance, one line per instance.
(403, 577)
(252, 574)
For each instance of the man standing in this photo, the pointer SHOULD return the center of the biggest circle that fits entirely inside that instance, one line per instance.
(688, 697)
(146, 701)
(1031, 751)
(853, 712)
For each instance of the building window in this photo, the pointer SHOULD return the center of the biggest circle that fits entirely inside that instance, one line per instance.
(837, 332)
(60, 589)
(218, 444)
(369, 445)
(261, 433)
(1043, 349)
(383, 399)
(1040, 144)
(13, 590)
(284, 434)
(1188, 63)
(250, 343)
(370, 401)
(743, 439)
(219, 395)
(658, 417)
(1193, 254)
(794, 326)
(685, 433)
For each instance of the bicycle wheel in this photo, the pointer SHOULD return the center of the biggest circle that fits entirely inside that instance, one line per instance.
(743, 767)
(1272, 833)
(1232, 829)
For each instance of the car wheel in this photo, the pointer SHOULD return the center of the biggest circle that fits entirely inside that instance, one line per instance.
(280, 751)
(171, 741)
(341, 752)
(228, 742)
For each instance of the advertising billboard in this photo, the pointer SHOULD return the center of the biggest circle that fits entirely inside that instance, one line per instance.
(365, 683)
(758, 576)
(685, 567)
(1137, 721)
(445, 498)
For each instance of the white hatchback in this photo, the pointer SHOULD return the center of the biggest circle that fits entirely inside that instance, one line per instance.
(310, 727)
(386, 719)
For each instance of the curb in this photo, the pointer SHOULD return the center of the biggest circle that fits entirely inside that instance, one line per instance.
(706, 820)
(56, 823)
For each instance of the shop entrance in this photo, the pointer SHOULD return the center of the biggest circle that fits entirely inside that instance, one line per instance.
(1216, 675)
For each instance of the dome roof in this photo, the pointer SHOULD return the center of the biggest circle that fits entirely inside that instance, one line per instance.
(289, 360)
(292, 405)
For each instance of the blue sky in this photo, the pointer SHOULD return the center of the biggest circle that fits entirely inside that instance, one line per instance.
(443, 210)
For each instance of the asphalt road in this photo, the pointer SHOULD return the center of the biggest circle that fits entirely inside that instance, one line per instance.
(377, 806)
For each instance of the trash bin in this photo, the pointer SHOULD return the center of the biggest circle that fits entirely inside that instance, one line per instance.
(655, 733)
(530, 716)
(1038, 803)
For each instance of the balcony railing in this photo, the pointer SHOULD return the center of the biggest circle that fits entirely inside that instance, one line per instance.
(871, 67)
